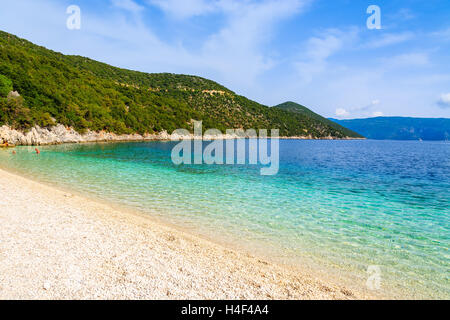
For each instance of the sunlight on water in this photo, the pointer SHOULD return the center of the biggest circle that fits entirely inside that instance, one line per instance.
(344, 205)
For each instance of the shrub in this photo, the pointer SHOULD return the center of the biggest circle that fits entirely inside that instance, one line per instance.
(5, 86)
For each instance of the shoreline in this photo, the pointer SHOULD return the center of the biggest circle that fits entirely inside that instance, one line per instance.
(58, 245)
(60, 134)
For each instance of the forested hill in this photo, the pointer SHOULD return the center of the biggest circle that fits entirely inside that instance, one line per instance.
(86, 94)
(299, 109)
(400, 128)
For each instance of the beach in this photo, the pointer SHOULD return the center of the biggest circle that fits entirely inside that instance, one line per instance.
(58, 245)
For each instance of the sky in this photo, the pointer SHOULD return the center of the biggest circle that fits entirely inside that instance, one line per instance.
(319, 53)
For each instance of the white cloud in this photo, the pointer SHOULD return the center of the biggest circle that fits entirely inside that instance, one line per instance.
(340, 112)
(407, 60)
(239, 44)
(406, 14)
(442, 35)
(364, 111)
(390, 39)
(444, 100)
(182, 9)
(319, 49)
(128, 5)
(367, 107)
(403, 15)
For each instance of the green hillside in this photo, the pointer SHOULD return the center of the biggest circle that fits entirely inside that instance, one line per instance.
(86, 94)
(299, 109)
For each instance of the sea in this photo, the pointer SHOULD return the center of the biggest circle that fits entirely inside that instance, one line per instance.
(373, 214)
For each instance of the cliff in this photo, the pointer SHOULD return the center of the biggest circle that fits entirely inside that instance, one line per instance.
(60, 134)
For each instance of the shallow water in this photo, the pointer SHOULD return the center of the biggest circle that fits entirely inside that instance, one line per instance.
(340, 205)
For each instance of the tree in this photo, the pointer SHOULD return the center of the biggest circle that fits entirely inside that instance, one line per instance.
(5, 86)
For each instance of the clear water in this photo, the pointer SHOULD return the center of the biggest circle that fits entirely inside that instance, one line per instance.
(340, 205)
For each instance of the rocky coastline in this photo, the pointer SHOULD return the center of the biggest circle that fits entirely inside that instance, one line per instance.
(60, 134)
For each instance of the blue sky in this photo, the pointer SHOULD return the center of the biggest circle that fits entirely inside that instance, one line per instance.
(316, 52)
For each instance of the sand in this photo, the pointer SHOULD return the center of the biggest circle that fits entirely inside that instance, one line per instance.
(58, 245)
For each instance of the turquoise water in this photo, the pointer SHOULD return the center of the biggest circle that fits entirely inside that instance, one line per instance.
(338, 206)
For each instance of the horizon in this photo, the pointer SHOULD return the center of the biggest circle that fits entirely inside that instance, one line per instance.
(338, 68)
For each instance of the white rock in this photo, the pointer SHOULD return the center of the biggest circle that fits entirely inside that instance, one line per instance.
(47, 285)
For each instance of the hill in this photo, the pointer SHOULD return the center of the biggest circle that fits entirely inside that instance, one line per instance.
(85, 94)
(302, 110)
(400, 128)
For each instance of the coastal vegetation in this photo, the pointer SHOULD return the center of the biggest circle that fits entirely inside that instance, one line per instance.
(42, 87)
(302, 110)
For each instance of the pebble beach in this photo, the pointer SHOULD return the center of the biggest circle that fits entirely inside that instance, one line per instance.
(58, 245)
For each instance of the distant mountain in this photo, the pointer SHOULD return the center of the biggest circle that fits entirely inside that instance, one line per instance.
(400, 128)
(53, 88)
(296, 108)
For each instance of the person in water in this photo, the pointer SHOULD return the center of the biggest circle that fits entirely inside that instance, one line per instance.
(37, 151)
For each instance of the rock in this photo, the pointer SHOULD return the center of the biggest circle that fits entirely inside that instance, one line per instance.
(13, 94)
(61, 134)
(47, 285)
